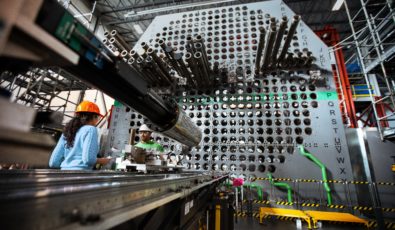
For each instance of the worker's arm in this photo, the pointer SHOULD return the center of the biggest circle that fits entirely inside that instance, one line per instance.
(161, 150)
(57, 154)
(90, 147)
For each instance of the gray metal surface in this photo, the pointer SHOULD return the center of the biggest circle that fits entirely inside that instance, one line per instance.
(252, 125)
(382, 157)
(53, 199)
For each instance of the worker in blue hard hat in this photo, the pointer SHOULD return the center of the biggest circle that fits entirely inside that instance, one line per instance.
(78, 146)
(151, 147)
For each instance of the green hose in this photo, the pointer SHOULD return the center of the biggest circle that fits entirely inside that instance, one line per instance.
(284, 185)
(323, 171)
(258, 188)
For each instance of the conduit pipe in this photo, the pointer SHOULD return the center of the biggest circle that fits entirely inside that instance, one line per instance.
(284, 185)
(323, 172)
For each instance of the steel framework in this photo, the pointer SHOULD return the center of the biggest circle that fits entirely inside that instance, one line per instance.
(331, 37)
(374, 46)
(38, 87)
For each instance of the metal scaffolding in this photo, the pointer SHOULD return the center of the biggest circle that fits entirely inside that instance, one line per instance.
(38, 87)
(373, 27)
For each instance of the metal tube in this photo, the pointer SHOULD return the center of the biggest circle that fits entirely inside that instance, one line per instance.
(184, 69)
(113, 50)
(200, 40)
(190, 45)
(134, 54)
(169, 54)
(116, 43)
(105, 41)
(145, 69)
(269, 45)
(124, 55)
(199, 47)
(152, 71)
(192, 65)
(290, 35)
(160, 76)
(145, 46)
(260, 49)
(279, 38)
(115, 34)
(132, 63)
(162, 44)
(160, 63)
(184, 130)
(216, 67)
(138, 68)
(203, 71)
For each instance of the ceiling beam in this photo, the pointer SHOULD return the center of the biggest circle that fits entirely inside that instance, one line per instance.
(143, 5)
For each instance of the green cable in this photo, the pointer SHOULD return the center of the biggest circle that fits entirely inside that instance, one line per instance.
(323, 171)
(284, 185)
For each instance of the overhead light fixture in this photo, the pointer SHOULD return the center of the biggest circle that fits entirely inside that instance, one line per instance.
(138, 29)
(337, 5)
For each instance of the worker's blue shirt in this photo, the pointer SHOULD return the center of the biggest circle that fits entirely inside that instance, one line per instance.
(82, 155)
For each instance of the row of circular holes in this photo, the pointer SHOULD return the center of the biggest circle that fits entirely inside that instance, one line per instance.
(224, 39)
(223, 15)
(260, 131)
(267, 106)
(223, 10)
(256, 98)
(216, 33)
(233, 106)
(232, 167)
(241, 114)
(241, 99)
(219, 27)
(242, 149)
(251, 140)
(251, 158)
(216, 29)
(248, 88)
(251, 87)
(250, 122)
(244, 10)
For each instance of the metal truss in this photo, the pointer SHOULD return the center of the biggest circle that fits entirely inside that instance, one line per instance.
(375, 45)
(38, 87)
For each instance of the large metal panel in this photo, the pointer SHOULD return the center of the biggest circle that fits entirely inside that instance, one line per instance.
(253, 125)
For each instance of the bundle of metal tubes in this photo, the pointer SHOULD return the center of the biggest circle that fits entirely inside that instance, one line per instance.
(197, 60)
(156, 69)
(269, 47)
(115, 43)
(151, 67)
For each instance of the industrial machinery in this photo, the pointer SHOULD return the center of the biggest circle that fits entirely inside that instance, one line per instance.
(259, 85)
(262, 88)
(49, 199)
(247, 88)
(83, 55)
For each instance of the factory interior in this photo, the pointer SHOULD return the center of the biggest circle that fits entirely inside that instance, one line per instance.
(197, 114)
